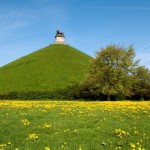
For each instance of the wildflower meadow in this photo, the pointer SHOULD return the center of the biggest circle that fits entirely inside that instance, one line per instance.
(74, 125)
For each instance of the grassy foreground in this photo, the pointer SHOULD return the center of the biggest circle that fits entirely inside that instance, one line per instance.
(40, 125)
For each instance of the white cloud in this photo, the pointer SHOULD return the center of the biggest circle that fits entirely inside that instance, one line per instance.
(144, 55)
(121, 8)
(146, 47)
(13, 19)
(144, 58)
(10, 20)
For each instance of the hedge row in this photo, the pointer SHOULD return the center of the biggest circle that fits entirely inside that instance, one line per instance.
(34, 95)
(72, 92)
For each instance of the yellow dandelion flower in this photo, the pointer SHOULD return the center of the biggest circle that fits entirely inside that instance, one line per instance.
(33, 137)
(25, 122)
(132, 145)
(3, 145)
(47, 148)
(46, 126)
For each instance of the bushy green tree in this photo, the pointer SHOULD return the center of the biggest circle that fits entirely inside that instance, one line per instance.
(141, 86)
(111, 70)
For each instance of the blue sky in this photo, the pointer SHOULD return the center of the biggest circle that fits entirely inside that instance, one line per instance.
(28, 25)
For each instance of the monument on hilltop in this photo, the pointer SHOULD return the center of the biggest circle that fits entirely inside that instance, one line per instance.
(60, 38)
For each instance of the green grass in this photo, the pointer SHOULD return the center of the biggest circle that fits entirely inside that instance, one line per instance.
(53, 67)
(74, 125)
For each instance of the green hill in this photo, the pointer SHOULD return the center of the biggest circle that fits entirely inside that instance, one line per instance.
(50, 68)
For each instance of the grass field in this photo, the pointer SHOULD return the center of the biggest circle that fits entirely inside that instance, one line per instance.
(58, 125)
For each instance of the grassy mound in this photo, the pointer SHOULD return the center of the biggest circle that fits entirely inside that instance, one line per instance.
(50, 68)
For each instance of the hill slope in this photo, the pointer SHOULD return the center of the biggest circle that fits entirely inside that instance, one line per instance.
(53, 67)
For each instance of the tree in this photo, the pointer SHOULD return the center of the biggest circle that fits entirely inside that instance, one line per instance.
(141, 86)
(110, 72)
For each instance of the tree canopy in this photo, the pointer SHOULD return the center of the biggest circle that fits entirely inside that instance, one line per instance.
(113, 72)
(141, 86)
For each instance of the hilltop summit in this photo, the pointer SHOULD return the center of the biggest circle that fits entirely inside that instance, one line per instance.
(60, 38)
